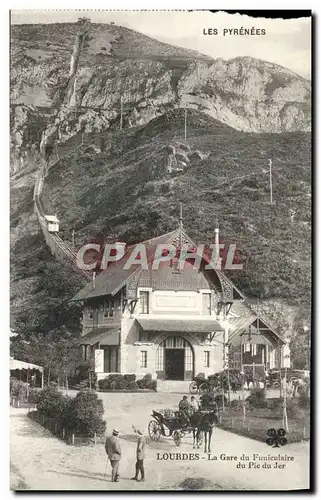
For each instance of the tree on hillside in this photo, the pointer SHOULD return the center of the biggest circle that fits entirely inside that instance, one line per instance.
(300, 343)
(60, 357)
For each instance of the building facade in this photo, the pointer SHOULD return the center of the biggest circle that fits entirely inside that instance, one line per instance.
(172, 323)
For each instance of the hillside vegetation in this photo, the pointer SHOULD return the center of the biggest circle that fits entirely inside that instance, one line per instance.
(129, 193)
(122, 176)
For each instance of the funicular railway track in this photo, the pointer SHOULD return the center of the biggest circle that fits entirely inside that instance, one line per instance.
(58, 248)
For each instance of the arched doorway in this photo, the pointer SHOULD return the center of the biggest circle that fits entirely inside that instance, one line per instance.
(175, 359)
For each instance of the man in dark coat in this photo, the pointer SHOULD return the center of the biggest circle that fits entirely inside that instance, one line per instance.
(184, 409)
(113, 451)
(140, 455)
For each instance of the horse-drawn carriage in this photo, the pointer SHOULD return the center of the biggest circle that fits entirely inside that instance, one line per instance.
(218, 381)
(169, 424)
(199, 384)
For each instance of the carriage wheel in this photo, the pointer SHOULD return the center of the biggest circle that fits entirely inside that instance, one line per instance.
(154, 430)
(177, 438)
(193, 388)
(203, 387)
(200, 439)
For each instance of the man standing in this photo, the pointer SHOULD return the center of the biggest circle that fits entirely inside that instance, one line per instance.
(113, 451)
(194, 404)
(140, 456)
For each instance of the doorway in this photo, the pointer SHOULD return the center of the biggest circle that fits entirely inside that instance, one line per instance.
(174, 364)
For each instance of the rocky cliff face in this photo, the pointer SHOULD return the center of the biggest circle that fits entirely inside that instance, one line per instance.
(81, 77)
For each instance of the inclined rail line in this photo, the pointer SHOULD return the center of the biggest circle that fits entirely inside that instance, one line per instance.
(59, 249)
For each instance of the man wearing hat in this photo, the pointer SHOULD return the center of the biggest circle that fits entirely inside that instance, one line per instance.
(184, 410)
(113, 451)
(140, 455)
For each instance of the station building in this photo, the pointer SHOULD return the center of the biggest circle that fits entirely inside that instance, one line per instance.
(173, 323)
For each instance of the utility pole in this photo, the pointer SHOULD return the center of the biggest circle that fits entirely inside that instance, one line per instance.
(285, 414)
(185, 125)
(121, 113)
(271, 185)
(73, 238)
(180, 225)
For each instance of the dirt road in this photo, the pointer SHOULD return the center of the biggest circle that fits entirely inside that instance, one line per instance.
(42, 462)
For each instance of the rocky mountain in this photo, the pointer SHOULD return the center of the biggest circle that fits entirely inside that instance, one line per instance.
(81, 77)
(107, 105)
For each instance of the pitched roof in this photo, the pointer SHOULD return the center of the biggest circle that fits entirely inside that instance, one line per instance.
(112, 279)
(109, 281)
(243, 323)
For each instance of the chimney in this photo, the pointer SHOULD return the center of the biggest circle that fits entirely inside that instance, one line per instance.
(94, 280)
(217, 247)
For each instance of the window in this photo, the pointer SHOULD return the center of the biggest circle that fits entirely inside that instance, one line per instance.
(206, 359)
(144, 302)
(143, 359)
(206, 303)
(109, 309)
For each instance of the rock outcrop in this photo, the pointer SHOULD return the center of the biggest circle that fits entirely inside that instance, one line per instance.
(81, 78)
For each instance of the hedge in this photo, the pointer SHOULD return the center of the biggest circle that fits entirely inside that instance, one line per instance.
(81, 416)
(118, 382)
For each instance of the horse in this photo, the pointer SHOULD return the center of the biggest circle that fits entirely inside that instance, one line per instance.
(203, 423)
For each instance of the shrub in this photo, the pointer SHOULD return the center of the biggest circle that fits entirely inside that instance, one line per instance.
(52, 403)
(274, 403)
(219, 380)
(257, 399)
(103, 384)
(147, 383)
(140, 384)
(133, 386)
(18, 389)
(236, 404)
(304, 400)
(84, 413)
(211, 401)
(120, 382)
(152, 385)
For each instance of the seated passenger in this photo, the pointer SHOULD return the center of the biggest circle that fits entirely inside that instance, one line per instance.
(184, 409)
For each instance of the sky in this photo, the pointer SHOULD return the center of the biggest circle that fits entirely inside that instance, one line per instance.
(287, 41)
